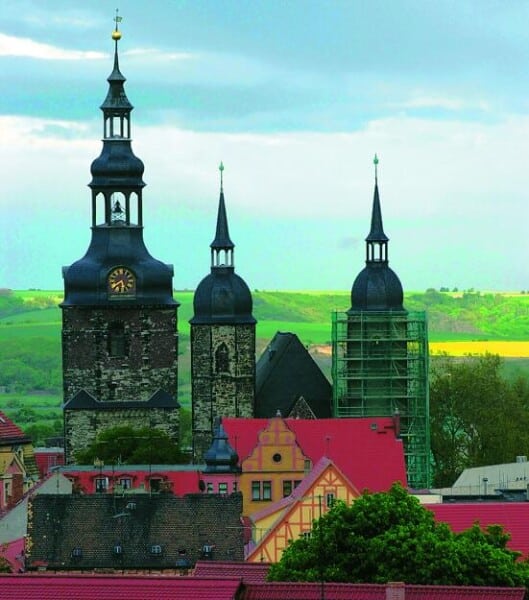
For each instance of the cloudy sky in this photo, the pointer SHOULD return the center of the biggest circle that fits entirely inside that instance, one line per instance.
(295, 97)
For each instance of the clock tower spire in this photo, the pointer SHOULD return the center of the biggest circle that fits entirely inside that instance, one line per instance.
(119, 331)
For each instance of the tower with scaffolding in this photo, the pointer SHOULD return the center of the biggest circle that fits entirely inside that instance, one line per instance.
(380, 354)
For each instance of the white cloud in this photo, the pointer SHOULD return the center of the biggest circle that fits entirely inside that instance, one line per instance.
(161, 55)
(453, 199)
(20, 46)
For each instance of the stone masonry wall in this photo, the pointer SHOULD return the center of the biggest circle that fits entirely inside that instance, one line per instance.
(150, 362)
(228, 392)
(81, 427)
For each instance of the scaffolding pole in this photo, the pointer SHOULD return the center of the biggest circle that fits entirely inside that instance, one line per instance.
(380, 368)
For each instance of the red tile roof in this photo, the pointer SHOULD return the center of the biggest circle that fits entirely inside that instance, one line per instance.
(365, 449)
(117, 587)
(8, 430)
(48, 586)
(312, 591)
(430, 592)
(249, 572)
(514, 516)
(13, 552)
(350, 591)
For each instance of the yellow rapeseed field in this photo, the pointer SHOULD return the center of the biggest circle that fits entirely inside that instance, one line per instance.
(508, 349)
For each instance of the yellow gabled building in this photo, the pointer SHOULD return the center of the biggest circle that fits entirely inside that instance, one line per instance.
(289, 518)
(274, 468)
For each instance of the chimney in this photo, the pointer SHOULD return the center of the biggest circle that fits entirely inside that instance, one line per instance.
(396, 590)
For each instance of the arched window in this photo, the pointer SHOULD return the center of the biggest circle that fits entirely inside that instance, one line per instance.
(117, 341)
(222, 359)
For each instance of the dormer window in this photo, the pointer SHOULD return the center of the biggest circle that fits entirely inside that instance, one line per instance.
(117, 550)
(207, 551)
(155, 550)
(77, 552)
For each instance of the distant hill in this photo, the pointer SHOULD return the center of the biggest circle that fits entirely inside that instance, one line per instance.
(30, 334)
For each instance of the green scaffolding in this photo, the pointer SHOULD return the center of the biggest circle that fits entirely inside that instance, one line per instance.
(380, 368)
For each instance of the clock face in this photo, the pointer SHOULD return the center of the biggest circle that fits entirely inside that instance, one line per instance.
(121, 282)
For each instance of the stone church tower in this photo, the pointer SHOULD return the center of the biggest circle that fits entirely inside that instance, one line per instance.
(222, 341)
(380, 353)
(119, 318)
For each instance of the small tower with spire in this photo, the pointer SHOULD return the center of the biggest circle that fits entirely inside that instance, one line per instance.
(119, 318)
(222, 340)
(380, 352)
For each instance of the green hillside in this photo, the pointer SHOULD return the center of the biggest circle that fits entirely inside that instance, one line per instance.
(30, 330)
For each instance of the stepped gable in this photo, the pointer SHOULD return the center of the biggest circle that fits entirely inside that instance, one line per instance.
(365, 449)
(135, 531)
(285, 374)
(514, 517)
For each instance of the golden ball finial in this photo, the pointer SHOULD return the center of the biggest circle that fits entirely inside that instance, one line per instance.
(116, 35)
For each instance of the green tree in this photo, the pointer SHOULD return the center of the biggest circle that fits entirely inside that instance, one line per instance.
(5, 567)
(126, 445)
(389, 536)
(476, 416)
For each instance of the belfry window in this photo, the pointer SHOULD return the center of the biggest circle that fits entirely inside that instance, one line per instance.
(117, 342)
(222, 359)
(117, 209)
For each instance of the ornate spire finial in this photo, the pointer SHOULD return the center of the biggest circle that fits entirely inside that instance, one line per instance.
(375, 162)
(116, 34)
(221, 169)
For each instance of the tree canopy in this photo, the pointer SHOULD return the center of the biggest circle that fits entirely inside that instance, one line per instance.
(477, 417)
(389, 536)
(127, 445)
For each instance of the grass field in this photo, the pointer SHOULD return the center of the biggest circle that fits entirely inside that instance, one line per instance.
(459, 324)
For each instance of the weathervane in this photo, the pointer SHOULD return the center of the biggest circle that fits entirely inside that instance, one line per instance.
(116, 34)
(221, 169)
(375, 162)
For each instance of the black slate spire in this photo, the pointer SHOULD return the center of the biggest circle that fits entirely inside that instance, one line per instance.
(116, 97)
(222, 241)
(377, 287)
(222, 296)
(221, 457)
(117, 250)
(377, 230)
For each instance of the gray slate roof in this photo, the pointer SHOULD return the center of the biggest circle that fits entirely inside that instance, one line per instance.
(85, 532)
(284, 373)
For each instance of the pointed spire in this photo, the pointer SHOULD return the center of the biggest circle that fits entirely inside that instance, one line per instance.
(116, 97)
(222, 239)
(377, 230)
(221, 457)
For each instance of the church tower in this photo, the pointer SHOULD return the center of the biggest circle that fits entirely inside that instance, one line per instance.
(222, 341)
(380, 353)
(119, 318)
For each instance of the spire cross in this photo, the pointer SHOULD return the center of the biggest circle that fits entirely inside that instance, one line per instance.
(116, 34)
(375, 162)
(221, 169)
(117, 19)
